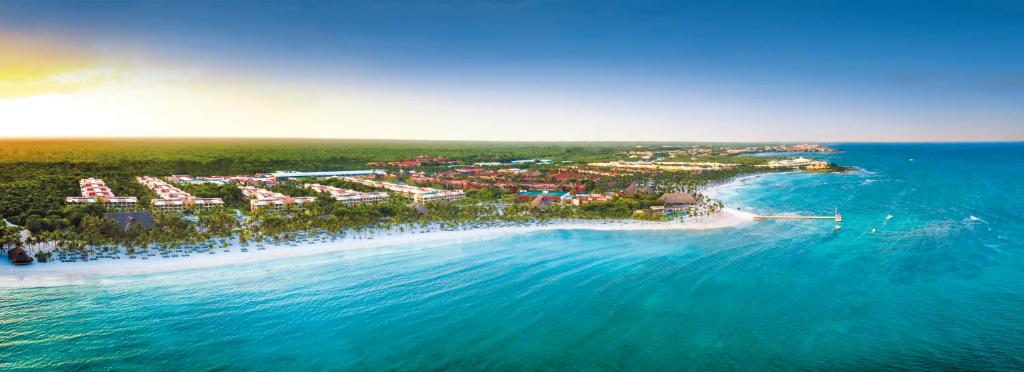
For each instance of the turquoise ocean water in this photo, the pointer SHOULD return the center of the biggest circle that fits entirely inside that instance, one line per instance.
(939, 285)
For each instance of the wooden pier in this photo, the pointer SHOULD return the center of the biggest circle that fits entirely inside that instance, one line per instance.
(838, 217)
(785, 217)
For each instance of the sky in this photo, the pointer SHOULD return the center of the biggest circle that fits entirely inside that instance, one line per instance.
(529, 70)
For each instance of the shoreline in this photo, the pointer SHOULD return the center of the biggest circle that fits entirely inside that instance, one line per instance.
(53, 274)
(738, 182)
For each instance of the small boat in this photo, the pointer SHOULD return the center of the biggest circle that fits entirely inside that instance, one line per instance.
(836, 228)
(872, 231)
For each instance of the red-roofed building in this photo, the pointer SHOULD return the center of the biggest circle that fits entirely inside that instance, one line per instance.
(94, 190)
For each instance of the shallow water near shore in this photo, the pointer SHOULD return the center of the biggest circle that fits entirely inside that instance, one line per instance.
(939, 284)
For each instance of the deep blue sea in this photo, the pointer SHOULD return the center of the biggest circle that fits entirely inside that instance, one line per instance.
(939, 285)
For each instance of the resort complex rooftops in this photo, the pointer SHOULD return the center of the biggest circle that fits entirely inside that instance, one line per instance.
(561, 197)
(347, 196)
(419, 194)
(164, 189)
(262, 198)
(95, 187)
(94, 191)
(173, 198)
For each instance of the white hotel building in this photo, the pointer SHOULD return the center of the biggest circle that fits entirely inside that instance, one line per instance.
(349, 197)
(173, 199)
(94, 191)
(262, 198)
(418, 194)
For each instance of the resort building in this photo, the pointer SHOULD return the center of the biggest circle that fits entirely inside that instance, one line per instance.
(418, 194)
(168, 205)
(173, 199)
(563, 197)
(581, 199)
(545, 195)
(262, 198)
(95, 191)
(800, 162)
(355, 173)
(349, 197)
(678, 201)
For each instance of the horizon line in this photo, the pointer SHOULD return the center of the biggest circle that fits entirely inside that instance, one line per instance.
(186, 138)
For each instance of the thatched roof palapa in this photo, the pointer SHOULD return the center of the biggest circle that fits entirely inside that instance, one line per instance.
(631, 190)
(18, 256)
(127, 220)
(537, 202)
(671, 198)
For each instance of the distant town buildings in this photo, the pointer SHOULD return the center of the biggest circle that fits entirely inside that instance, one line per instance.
(262, 198)
(645, 155)
(664, 165)
(354, 173)
(417, 193)
(195, 180)
(95, 191)
(258, 179)
(512, 171)
(173, 199)
(531, 161)
(801, 162)
(349, 197)
(805, 147)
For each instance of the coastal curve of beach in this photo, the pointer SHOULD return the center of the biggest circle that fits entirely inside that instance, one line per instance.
(78, 273)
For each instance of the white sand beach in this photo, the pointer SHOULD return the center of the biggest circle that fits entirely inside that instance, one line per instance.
(72, 273)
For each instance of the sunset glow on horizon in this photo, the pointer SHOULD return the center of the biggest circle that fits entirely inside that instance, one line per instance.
(509, 71)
